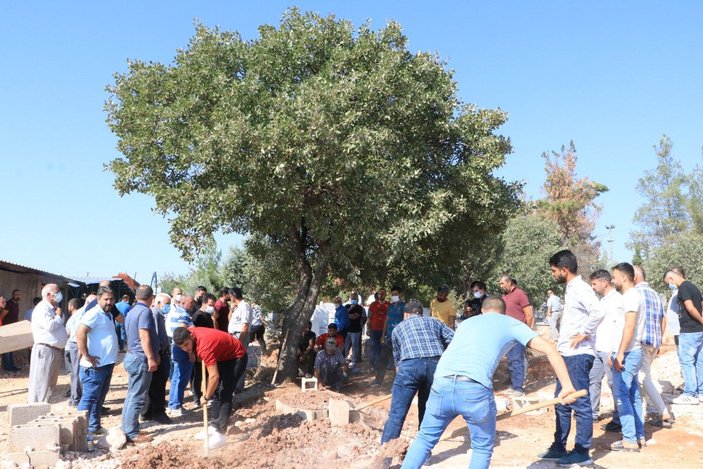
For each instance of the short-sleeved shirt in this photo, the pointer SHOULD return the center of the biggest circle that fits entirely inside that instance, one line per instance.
(240, 316)
(140, 317)
(123, 307)
(515, 301)
(213, 345)
(102, 339)
(688, 291)
(478, 345)
(356, 325)
(175, 317)
(612, 305)
(631, 301)
(202, 319)
(377, 315)
(222, 309)
(396, 312)
(442, 310)
(323, 338)
(555, 303)
(333, 361)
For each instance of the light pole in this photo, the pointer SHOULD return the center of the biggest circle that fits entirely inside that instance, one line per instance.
(610, 229)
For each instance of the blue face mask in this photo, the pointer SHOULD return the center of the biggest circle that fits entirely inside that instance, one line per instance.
(672, 286)
(355, 302)
(166, 308)
(58, 297)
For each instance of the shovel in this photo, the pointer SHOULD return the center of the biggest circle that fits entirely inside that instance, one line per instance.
(522, 410)
(207, 433)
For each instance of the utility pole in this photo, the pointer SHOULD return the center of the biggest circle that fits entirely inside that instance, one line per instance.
(610, 229)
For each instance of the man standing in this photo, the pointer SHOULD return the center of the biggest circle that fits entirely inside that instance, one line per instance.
(651, 339)
(690, 336)
(181, 366)
(356, 325)
(258, 326)
(463, 382)
(554, 313)
(443, 309)
(156, 408)
(611, 300)
(628, 359)
(199, 297)
(396, 312)
(97, 345)
(123, 307)
(377, 318)
(341, 318)
(478, 294)
(221, 313)
(49, 341)
(13, 313)
(418, 342)
(576, 344)
(518, 306)
(225, 359)
(141, 360)
(239, 325)
(71, 352)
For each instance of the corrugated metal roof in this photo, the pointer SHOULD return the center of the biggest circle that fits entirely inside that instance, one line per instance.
(24, 269)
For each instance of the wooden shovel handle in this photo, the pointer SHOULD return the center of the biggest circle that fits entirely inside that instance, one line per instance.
(373, 401)
(540, 405)
(203, 390)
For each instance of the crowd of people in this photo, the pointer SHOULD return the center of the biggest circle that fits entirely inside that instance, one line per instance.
(611, 324)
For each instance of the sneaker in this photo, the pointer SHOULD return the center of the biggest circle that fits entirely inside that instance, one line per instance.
(660, 421)
(575, 458)
(515, 393)
(624, 445)
(685, 399)
(174, 412)
(611, 427)
(553, 454)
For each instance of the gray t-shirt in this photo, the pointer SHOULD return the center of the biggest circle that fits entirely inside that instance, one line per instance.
(140, 317)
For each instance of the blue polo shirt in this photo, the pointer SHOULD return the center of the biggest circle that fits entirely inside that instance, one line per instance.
(478, 345)
(102, 339)
(140, 317)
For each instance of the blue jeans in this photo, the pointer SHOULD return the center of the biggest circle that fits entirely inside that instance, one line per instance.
(8, 361)
(516, 366)
(353, 342)
(627, 396)
(450, 397)
(598, 371)
(414, 377)
(691, 359)
(137, 390)
(579, 368)
(180, 376)
(96, 382)
(121, 335)
(375, 349)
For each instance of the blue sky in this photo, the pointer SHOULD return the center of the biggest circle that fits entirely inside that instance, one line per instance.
(612, 76)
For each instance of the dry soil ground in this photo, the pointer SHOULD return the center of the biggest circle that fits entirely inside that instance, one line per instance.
(260, 437)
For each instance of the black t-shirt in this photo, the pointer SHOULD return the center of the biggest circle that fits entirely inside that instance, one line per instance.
(688, 291)
(356, 325)
(305, 340)
(202, 319)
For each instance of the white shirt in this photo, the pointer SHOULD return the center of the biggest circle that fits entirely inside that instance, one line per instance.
(632, 301)
(672, 315)
(47, 326)
(102, 338)
(240, 316)
(612, 304)
(582, 315)
(555, 303)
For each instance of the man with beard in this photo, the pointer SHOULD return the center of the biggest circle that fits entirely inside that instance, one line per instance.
(582, 315)
(443, 309)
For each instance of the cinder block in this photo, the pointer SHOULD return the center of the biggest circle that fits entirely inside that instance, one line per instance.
(73, 429)
(34, 458)
(23, 413)
(39, 437)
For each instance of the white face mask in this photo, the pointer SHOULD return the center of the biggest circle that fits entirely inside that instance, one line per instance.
(209, 309)
(477, 294)
(177, 298)
(395, 299)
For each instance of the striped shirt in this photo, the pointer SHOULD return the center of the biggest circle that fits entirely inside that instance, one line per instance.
(653, 314)
(177, 315)
(420, 337)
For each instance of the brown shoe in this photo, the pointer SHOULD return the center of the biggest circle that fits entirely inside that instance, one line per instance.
(141, 438)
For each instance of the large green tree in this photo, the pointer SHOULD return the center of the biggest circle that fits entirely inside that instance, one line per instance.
(336, 147)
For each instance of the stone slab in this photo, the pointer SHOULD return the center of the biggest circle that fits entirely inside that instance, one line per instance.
(16, 336)
(19, 414)
(339, 411)
(34, 459)
(38, 437)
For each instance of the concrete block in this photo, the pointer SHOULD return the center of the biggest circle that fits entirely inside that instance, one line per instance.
(42, 437)
(308, 384)
(339, 412)
(34, 458)
(73, 429)
(20, 414)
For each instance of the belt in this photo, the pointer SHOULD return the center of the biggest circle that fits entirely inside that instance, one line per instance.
(51, 346)
(460, 378)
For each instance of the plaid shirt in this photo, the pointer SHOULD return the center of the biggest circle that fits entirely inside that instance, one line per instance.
(653, 314)
(420, 337)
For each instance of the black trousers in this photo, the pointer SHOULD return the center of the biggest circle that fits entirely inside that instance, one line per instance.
(157, 388)
(230, 371)
(196, 381)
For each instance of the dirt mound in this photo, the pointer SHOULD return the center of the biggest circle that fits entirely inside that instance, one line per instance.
(166, 455)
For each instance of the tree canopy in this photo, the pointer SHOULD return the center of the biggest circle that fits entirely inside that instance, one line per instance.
(336, 148)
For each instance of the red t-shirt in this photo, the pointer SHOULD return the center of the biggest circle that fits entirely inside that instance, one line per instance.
(223, 315)
(212, 345)
(514, 302)
(323, 339)
(377, 318)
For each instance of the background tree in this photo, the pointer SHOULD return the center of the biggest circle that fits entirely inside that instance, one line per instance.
(684, 249)
(665, 211)
(570, 202)
(206, 271)
(337, 148)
